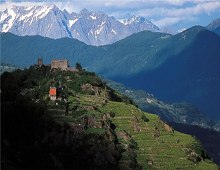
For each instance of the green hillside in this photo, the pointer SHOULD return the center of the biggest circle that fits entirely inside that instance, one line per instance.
(137, 53)
(185, 113)
(157, 145)
(88, 126)
(175, 68)
(134, 54)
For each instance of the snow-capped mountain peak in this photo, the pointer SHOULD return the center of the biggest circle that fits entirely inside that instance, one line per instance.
(94, 28)
(130, 20)
(12, 16)
(135, 19)
(45, 20)
(139, 23)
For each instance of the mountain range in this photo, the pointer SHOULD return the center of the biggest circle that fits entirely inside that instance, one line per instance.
(93, 28)
(172, 67)
(192, 74)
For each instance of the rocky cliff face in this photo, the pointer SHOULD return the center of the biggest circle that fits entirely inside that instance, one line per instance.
(93, 28)
(46, 21)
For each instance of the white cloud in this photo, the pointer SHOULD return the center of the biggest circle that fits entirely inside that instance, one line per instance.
(168, 21)
(76, 5)
(10, 4)
(174, 15)
(206, 7)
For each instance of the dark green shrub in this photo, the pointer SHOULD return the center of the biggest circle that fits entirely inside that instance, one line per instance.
(144, 118)
(112, 114)
(133, 144)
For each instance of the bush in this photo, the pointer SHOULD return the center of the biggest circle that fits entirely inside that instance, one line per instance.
(78, 66)
(112, 114)
(144, 118)
(133, 144)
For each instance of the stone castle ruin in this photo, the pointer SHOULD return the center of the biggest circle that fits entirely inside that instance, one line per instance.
(60, 64)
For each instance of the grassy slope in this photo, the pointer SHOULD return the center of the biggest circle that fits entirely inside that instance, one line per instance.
(138, 141)
(139, 61)
(164, 151)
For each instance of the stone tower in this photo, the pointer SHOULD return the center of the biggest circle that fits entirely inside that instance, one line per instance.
(40, 62)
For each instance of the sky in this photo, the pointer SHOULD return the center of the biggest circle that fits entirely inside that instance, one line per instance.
(172, 15)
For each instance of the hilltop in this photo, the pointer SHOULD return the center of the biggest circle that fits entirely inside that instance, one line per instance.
(175, 68)
(87, 122)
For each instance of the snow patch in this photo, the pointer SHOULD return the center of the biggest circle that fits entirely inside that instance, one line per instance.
(114, 31)
(3, 17)
(71, 22)
(28, 8)
(99, 30)
(103, 22)
(93, 17)
(26, 16)
(7, 26)
(43, 12)
(121, 20)
(131, 20)
(31, 21)
(149, 100)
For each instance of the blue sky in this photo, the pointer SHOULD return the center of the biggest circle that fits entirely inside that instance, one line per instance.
(167, 14)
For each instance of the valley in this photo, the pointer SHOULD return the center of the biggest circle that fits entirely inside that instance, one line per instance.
(184, 113)
(172, 67)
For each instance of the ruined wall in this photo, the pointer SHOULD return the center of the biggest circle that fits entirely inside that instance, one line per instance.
(61, 64)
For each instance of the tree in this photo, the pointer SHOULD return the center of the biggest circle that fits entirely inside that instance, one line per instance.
(78, 66)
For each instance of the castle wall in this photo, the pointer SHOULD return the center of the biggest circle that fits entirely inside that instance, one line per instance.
(61, 64)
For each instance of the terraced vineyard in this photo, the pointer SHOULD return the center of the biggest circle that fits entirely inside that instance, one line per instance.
(88, 122)
(156, 144)
(158, 147)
